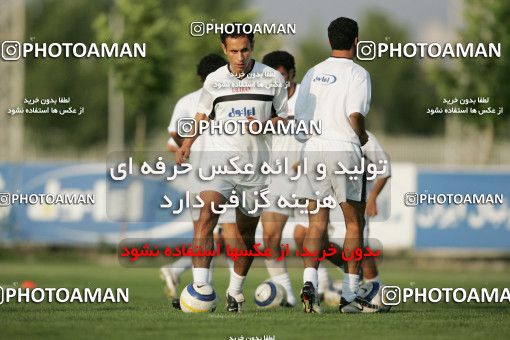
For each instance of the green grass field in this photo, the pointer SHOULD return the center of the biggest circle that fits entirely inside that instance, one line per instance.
(149, 314)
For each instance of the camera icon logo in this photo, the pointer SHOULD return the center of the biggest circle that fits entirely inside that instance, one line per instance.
(391, 295)
(11, 50)
(197, 28)
(411, 199)
(5, 199)
(366, 50)
(186, 127)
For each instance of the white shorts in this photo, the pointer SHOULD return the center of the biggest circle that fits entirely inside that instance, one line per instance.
(343, 187)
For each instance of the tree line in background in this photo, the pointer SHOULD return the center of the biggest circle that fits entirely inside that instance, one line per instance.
(402, 89)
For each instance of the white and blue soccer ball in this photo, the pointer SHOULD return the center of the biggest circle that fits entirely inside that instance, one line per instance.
(372, 293)
(198, 298)
(270, 294)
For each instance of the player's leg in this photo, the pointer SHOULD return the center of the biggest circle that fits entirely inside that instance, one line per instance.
(371, 276)
(219, 238)
(203, 235)
(299, 236)
(325, 289)
(241, 236)
(314, 243)
(273, 224)
(368, 266)
(171, 273)
(370, 272)
(354, 222)
(327, 292)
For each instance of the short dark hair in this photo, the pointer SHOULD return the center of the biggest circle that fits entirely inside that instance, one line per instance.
(342, 32)
(209, 64)
(235, 33)
(276, 59)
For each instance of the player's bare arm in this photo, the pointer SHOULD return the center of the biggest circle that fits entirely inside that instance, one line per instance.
(371, 208)
(184, 151)
(178, 139)
(357, 121)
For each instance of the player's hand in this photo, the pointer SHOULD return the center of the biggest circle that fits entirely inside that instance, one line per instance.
(250, 119)
(363, 139)
(371, 209)
(295, 166)
(182, 155)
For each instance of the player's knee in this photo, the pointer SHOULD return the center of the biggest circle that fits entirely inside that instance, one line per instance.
(317, 229)
(299, 236)
(248, 234)
(272, 238)
(205, 224)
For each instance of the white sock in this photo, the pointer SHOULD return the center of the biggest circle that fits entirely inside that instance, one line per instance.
(284, 280)
(310, 274)
(278, 272)
(375, 279)
(236, 284)
(200, 275)
(230, 264)
(275, 268)
(350, 286)
(179, 266)
(324, 279)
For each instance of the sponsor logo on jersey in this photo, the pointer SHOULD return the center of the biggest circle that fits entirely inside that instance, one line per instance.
(242, 112)
(325, 78)
(241, 89)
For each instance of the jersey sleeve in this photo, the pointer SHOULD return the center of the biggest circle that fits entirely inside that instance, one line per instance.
(180, 111)
(374, 153)
(280, 97)
(359, 93)
(305, 106)
(206, 101)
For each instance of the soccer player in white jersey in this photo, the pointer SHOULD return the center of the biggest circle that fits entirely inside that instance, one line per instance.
(283, 146)
(337, 92)
(373, 154)
(186, 108)
(247, 98)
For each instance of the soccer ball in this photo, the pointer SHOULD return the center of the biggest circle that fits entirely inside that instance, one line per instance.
(270, 294)
(198, 298)
(372, 293)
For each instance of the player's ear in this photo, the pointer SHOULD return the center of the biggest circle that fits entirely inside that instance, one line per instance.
(292, 74)
(224, 48)
(356, 40)
(252, 44)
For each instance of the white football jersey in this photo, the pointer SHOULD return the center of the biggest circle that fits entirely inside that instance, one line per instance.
(374, 153)
(285, 143)
(291, 102)
(330, 92)
(261, 94)
(224, 97)
(186, 107)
